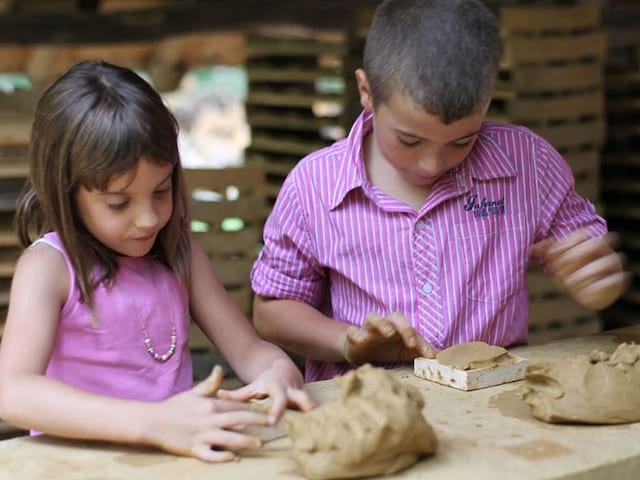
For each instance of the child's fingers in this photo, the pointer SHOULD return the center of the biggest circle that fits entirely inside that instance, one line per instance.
(300, 399)
(230, 440)
(597, 269)
(561, 246)
(426, 349)
(279, 404)
(204, 452)
(580, 255)
(358, 336)
(234, 419)
(402, 326)
(210, 386)
(241, 394)
(222, 406)
(381, 326)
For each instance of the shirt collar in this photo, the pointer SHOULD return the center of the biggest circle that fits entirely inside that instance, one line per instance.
(352, 172)
(486, 161)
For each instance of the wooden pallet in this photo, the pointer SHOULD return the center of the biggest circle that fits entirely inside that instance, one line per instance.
(216, 197)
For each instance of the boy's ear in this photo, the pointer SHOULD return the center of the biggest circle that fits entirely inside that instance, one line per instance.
(366, 99)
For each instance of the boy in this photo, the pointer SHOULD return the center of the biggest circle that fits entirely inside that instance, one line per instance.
(425, 209)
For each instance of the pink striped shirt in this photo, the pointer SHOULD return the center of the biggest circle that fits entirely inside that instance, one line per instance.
(456, 268)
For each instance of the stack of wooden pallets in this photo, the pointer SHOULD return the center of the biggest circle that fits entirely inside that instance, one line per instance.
(228, 208)
(621, 160)
(295, 103)
(552, 80)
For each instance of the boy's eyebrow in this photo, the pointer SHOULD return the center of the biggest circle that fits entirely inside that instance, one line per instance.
(409, 134)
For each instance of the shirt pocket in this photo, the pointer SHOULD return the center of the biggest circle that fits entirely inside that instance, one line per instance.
(494, 253)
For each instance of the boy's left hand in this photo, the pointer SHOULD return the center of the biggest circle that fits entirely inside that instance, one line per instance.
(589, 268)
(282, 382)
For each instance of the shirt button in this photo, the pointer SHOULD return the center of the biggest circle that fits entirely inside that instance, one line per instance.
(420, 225)
(427, 287)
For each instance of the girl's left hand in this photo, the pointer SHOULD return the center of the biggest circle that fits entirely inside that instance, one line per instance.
(282, 382)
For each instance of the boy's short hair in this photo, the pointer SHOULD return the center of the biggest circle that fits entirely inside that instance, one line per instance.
(442, 54)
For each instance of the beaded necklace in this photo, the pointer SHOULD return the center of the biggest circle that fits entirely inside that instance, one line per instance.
(147, 338)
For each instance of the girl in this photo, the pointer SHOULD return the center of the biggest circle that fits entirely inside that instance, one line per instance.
(95, 344)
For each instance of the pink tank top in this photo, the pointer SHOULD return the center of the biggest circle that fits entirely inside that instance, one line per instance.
(111, 358)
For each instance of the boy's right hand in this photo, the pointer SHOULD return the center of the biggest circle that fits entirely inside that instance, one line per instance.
(385, 339)
(192, 423)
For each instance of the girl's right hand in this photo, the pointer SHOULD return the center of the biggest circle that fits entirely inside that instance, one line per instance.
(192, 423)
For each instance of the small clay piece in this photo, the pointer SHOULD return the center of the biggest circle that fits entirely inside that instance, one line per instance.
(375, 427)
(472, 355)
(597, 388)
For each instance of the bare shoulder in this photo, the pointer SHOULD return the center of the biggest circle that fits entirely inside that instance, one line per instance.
(43, 269)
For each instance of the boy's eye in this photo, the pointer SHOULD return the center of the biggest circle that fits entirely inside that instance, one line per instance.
(408, 143)
(463, 143)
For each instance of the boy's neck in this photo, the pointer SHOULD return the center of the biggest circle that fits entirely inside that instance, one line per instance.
(386, 178)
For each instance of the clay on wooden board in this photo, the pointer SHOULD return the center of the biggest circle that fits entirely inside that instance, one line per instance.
(472, 355)
(375, 427)
(599, 388)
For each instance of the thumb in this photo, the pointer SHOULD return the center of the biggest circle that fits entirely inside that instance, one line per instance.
(210, 386)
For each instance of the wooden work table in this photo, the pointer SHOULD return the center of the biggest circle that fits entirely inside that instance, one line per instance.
(485, 433)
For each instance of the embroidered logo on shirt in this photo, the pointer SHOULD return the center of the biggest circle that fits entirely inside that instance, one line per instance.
(484, 207)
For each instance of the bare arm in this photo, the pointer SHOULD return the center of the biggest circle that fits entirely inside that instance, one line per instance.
(300, 328)
(304, 330)
(264, 366)
(185, 424)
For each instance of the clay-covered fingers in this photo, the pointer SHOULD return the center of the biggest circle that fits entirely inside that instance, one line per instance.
(360, 336)
(209, 386)
(240, 418)
(411, 338)
(381, 326)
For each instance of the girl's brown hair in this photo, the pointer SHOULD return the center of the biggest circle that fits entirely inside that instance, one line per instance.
(92, 124)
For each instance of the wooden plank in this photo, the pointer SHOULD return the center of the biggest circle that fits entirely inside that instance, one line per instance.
(291, 147)
(573, 134)
(550, 18)
(15, 129)
(298, 100)
(556, 78)
(291, 121)
(249, 209)
(246, 179)
(585, 326)
(519, 50)
(225, 243)
(584, 161)
(256, 74)
(14, 58)
(562, 107)
(556, 311)
(13, 171)
(233, 272)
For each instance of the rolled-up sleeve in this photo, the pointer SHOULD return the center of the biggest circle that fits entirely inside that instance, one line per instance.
(286, 267)
(562, 210)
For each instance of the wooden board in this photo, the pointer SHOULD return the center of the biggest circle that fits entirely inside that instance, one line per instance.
(432, 370)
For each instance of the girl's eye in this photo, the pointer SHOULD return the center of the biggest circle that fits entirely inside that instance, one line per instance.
(406, 143)
(162, 191)
(118, 206)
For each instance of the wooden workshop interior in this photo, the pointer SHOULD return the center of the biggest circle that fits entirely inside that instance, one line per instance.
(258, 84)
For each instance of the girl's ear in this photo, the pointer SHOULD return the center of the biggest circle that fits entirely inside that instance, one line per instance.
(366, 99)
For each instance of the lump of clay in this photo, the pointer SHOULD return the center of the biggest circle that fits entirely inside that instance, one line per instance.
(597, 388)
(468, 356)
(375, 427)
